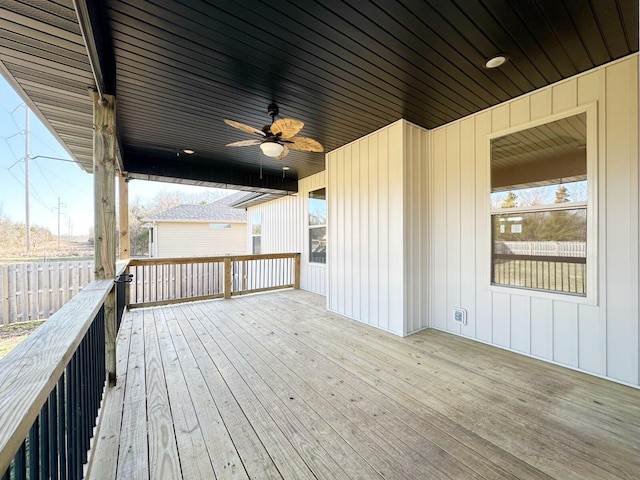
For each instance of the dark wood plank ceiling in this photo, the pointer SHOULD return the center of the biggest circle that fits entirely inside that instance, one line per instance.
(344, 67)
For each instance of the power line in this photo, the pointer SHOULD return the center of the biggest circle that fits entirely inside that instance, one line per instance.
(46, 180)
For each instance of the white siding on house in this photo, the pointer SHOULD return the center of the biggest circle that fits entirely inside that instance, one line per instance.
(600, 336)
(191, 239)
(285, 229)
(417, 240)
(409, 231)
(378, 228)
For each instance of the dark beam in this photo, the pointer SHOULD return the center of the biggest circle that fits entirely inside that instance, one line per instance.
(94, 25)
(148, 167)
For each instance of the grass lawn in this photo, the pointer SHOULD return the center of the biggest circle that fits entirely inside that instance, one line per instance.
(14, 333)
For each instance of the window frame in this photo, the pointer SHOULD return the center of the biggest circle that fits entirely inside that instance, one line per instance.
(592, 153)
(253, 235)
(311, 227)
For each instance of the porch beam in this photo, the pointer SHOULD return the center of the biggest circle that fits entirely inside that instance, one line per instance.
(148, 167)
(104, 172)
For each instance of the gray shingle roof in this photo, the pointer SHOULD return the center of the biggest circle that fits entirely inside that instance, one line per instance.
(212, 212)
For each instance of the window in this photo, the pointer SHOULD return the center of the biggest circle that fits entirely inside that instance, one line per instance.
(256, 233)
(539, 207)
(317, 207)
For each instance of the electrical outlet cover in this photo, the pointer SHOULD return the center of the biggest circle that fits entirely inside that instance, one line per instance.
(460, 315)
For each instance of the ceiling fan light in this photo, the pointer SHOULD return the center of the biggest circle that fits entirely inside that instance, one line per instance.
(271, 149)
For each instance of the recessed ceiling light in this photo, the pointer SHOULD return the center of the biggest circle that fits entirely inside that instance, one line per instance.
(285, 168)
(496, 61)
(188, 151)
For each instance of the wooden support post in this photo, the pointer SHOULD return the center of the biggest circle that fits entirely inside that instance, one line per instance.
(227, 277)
(123, 211)
(296, 271)
(104, 173)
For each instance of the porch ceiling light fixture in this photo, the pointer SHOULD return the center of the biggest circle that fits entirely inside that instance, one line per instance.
(188, 151)
(271, 149)
(496, 61)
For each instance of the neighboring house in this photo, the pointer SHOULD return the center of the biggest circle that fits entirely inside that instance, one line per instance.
(199, 230)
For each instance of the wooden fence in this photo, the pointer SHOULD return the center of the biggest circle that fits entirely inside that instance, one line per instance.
(31, 291)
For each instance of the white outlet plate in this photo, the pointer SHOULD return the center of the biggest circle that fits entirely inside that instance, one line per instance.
(460, 315)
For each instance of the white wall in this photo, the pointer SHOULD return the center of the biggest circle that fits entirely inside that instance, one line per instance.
(198, 239)
(409, 233)
(600, 336)
(285, 229)
(377, 228)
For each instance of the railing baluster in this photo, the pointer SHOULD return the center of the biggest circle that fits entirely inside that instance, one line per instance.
(44, 441)
(33, 449)
(20, 463)
(69, 415)
(62, 445)
(53, 432)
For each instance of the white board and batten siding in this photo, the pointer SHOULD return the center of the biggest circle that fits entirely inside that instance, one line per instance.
(599, 336)
(378, 226)
(196, 239)
(285, 225)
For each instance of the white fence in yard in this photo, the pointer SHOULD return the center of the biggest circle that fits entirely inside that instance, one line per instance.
(544, 249)
(32, 291)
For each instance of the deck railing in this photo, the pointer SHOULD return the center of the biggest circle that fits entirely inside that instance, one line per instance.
(51, 386)
(554, 274)
(159, 281)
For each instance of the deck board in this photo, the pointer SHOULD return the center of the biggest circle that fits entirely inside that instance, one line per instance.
(273, 386)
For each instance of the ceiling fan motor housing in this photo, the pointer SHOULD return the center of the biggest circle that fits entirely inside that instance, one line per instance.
(273, 110)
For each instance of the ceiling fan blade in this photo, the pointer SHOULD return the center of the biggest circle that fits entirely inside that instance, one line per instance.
(286, 127)
(244, 143)
(243, 127)
(304, 143)
(285, 152)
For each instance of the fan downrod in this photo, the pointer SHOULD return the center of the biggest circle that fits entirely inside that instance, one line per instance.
(272, 111)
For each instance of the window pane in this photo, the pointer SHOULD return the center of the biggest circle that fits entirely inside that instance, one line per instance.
(256, 248)
(317, 207)
(544, 195)
(541, 250)
(548, 154)
(318, 245)
(256, 224)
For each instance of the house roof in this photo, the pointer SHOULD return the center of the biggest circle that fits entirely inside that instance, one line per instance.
(345, 68)
(217, 211)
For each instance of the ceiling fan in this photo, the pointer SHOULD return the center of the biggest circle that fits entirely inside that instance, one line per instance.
(278, 137)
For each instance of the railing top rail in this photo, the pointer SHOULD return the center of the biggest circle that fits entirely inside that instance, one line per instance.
(30, 371)
(220, 258)
(121, 266)
(540, 258)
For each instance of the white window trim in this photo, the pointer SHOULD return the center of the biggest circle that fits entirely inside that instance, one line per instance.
(309, 227)
(593, 150)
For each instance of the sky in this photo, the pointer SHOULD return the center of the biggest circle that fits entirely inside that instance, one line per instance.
(59, 188)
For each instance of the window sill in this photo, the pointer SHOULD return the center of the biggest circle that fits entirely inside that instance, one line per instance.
(557, 296)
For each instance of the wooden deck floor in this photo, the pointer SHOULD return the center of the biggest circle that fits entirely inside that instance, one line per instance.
(272, 386)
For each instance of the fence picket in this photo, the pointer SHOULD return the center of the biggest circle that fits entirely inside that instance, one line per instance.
(31, 291)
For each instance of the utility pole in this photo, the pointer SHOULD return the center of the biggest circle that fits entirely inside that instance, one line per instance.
(26, 179)
(27, 239)
(59, 209)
